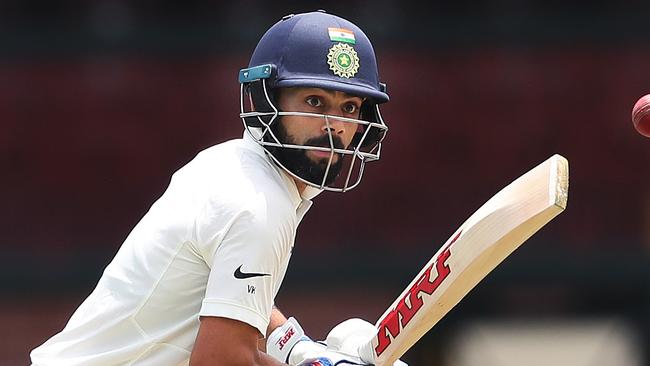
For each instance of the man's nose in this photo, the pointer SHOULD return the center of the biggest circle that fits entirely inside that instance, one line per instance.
(335, 125)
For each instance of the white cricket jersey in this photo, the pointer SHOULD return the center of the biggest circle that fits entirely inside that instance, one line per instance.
(217, 243)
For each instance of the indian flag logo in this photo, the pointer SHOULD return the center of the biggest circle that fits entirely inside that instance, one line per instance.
(341, 35)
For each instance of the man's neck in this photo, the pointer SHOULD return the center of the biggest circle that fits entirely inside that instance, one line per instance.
(300, 185)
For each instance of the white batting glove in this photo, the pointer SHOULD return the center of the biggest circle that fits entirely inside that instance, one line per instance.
(331, 358)
(352, 337)
(290, 345)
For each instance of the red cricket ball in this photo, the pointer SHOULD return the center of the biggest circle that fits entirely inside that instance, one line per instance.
(641, 115)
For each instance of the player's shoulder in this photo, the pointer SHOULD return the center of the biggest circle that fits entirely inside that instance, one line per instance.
(238, 173)
(221, 163)
(238, 164)
(232, 153)
(242, 185)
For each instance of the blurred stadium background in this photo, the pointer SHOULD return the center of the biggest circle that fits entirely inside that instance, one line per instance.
(100, 101)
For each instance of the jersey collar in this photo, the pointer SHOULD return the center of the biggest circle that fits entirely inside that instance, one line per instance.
(307, 195)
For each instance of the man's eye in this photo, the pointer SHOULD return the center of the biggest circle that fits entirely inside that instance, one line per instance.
(350, 108)
(314, 101)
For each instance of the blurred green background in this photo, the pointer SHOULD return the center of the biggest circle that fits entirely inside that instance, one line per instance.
(101, 101)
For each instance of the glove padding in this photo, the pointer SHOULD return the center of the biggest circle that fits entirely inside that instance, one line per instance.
(332, 358)
(289, 344)
(347, 344)
(312, 353)
(309, 353)
(353, 337)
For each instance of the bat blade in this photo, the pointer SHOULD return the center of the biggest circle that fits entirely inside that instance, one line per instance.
(483, 241)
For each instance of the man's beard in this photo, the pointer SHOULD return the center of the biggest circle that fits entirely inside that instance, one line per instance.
(297, 161)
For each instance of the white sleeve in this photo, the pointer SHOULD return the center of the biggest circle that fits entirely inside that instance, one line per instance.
(246, 257)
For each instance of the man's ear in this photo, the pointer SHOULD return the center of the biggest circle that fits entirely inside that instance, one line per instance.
(257, 97)
(250, 102)
(247, 92)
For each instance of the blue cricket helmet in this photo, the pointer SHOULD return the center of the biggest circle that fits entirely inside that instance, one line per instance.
(300, 48)
(317, 50)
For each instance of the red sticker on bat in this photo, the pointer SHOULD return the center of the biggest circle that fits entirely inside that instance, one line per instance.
(391, 322)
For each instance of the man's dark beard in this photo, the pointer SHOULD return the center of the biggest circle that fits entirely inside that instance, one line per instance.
(297, 161)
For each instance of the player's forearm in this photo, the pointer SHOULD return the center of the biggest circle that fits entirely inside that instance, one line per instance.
(266, 360)
(276, 320)
(261, 359)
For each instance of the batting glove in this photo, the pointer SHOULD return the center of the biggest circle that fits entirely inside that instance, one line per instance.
(352, 337)
(331, 358)
(290, 345)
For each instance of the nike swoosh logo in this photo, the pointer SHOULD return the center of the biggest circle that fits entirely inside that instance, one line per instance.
(241, 275)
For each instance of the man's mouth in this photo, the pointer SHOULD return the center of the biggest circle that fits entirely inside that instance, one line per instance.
(318, 154)
(324, 155)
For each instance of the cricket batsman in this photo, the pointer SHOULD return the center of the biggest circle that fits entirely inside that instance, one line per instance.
(194, 282)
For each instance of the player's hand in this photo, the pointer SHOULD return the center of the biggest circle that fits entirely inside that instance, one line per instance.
(290, 345)
(331, 358)
(353, 337)
(317, 354)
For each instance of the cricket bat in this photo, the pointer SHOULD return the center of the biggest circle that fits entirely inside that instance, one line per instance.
(494, 231)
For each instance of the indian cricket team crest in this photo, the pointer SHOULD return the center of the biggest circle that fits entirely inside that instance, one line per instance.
(343, 60)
